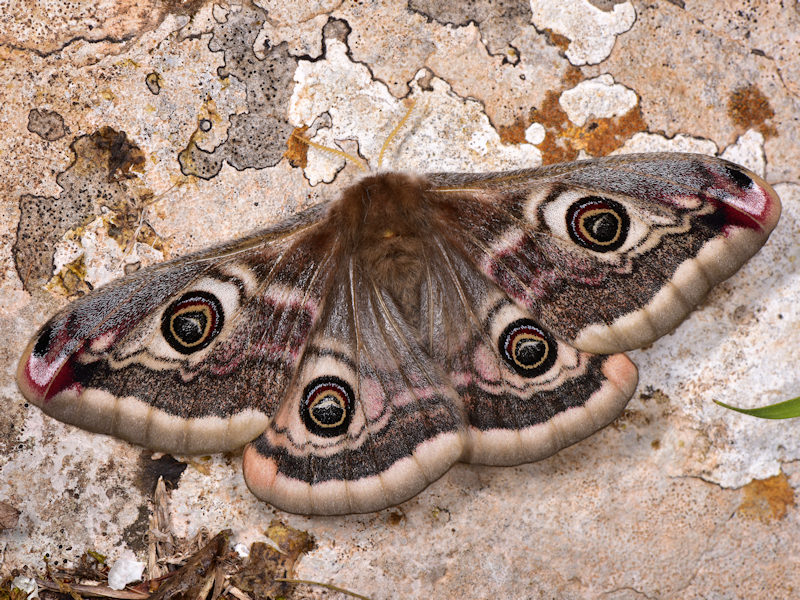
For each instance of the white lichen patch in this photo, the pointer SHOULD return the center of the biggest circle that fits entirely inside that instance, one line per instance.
(354, 102)
(535, 133)
(126, 569)
(590, 30)
(67, 251)
(443, 132)
(27, 585)
(105, 260)
(748, 151)
(599, 97)
(454, 134)
(103, 257)
(654, 142)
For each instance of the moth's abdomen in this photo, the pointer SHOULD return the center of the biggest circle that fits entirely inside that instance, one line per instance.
(387, 219)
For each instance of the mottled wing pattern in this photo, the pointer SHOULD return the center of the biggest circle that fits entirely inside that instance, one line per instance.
(366, 345)
(387, 400)
(371, 419)
(610, 254)
(526, 394)
(192, 355)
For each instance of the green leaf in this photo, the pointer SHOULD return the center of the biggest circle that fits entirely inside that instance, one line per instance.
(781, 410)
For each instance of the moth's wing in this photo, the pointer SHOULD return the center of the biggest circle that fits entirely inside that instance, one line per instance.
(371, 419)
(191, 355)
(408, 393)
(525, 393)
(609, 254)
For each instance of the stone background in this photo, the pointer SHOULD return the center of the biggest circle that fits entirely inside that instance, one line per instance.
(679, 498)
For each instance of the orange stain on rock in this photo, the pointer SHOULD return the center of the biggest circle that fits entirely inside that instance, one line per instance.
(514, 133)
(749, 108)
(599, 137)
(602, 136)
(767, 499)
(297, 151)
(556, 39)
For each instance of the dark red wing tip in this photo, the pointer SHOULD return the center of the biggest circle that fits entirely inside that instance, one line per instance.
(750, 201)
(32, 391)
(772, 207)
(40, 377)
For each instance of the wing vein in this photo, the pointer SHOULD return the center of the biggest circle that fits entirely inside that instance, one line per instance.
(477, 323)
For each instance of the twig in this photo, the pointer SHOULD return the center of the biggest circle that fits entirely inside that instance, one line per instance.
(95, 591)
(330, 586)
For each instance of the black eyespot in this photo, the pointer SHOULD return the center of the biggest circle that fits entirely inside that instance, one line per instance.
(192, 322)
(599, 224)
(741, 179)
(43, 341)
(327, 406)
(527, 348)
(205, 125)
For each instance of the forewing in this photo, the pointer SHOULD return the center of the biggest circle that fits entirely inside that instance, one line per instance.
(192, 355)
(609, 254)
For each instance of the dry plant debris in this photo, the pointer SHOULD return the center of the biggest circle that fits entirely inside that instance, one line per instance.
(201, 568)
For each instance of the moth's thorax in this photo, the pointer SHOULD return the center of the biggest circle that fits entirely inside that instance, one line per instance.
(384, 220)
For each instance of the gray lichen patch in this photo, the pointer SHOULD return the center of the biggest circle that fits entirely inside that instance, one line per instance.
(499, 21)
(99, 177)
(43, 220)
(257, 137)
(47, 124)
(506, 84)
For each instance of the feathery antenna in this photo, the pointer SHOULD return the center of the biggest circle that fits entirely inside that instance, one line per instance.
(354, 159)
(392, 135)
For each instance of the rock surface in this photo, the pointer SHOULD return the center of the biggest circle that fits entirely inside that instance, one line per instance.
(136, 134)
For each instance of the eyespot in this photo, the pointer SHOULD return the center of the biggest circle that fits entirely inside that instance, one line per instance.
(527, 348)
(599, 224)
(192, 322)
(327, 406)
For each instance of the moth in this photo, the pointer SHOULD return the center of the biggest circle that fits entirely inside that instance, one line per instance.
(363, 346)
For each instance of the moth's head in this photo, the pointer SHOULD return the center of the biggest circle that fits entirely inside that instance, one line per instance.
(381, 208)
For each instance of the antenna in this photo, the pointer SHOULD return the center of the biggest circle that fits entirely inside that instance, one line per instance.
(392, 135)
(354, 159)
